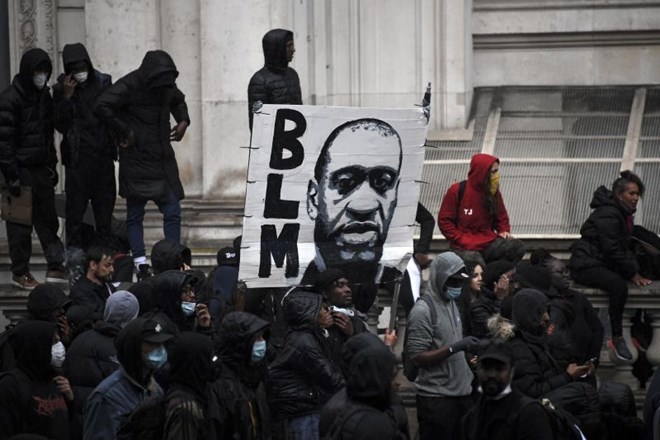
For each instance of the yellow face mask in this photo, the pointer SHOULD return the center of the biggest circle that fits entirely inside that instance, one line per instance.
(494, 182)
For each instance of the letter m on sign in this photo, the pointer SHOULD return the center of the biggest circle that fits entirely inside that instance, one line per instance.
(283, 247)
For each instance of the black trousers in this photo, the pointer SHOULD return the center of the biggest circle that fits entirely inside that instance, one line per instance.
(616, 288)
(44, 223)
(91, 180)
(440, 417)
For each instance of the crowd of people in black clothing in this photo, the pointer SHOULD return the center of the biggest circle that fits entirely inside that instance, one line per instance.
(501, 347)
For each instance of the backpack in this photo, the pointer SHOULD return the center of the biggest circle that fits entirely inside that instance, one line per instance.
(346, 419)
(410, 370)
(146, 422)
(564, 425)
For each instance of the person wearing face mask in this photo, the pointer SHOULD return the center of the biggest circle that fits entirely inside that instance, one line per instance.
(174, 304)
(28, 159)
(87, 150)
(92, 356)
(496, 287)
(237, 405)
(501, 412)
(34, 397)
(136, 109)
(443, 383)
(140, 352)
(473, 217)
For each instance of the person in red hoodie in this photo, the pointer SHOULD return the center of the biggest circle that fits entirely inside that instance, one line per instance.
(473, 216)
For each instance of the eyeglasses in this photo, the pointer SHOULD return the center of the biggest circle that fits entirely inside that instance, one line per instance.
(381, 179)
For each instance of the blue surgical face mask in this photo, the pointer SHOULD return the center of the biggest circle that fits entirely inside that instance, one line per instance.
(453, 292)
(158, 357)
(258, 351)
(188, 308)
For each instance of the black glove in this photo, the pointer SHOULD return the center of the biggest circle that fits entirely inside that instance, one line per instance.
(464, 344)
(52, 175)
(15, 188)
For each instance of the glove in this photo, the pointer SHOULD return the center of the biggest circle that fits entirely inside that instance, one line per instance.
(54, 178)
(464, 344)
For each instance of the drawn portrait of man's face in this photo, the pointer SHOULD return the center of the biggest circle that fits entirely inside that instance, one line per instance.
(353, 195)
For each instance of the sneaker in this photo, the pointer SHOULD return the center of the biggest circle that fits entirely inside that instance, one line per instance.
(57, 276)
(618, 345)
(25, 282)
(144, 271)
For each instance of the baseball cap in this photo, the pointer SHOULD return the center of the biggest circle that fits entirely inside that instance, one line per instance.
(498, 350)
(227, 257)
(153, 332)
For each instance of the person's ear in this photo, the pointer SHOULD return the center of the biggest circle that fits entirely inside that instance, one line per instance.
(312, 199)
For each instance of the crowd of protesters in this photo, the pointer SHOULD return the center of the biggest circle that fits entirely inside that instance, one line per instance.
(181, 354)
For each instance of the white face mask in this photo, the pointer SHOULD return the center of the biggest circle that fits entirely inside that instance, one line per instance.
(57, 355)
(81, 77)
(39, 80)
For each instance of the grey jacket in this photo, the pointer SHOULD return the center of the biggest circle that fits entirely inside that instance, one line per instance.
(451, 377)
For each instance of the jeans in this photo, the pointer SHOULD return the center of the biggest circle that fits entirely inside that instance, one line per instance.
(171, 210)
(304, 428)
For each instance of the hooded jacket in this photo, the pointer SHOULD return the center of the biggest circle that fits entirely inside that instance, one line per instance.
(276, 82)
(238, 405)
(537, 372)
(92, 356)
(121, 392)
(82, 131)
(169, 255)
(191, 370)
(605, 237)
(365, 393)
(368, 390)
(302, 378)
(26, 119)
(452, 377)
(141, 102)
(167, 288)
(469, 226)
(29, 399)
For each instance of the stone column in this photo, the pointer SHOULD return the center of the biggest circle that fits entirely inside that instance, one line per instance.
(454, 88)
(180, 37)
(653, 351)
(231, 32)
(31, 24)
(120, 32)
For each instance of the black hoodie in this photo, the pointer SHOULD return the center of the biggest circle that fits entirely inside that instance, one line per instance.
(29, 399)
(169, 255)
(605, 237)
(26, 119)
(82, 131)
(238, 404)
(141, 102)
(276, 82)
(167, 288)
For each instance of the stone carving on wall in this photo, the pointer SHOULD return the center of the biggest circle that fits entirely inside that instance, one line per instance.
(27, 14)
(35, 21)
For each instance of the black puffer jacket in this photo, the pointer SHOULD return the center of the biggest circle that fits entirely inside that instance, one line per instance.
(606, 237)
(141, 102)
(91, 358)
(276, 82)
(238, 406)
(26, 120)
(302, 378)
(74, 118)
